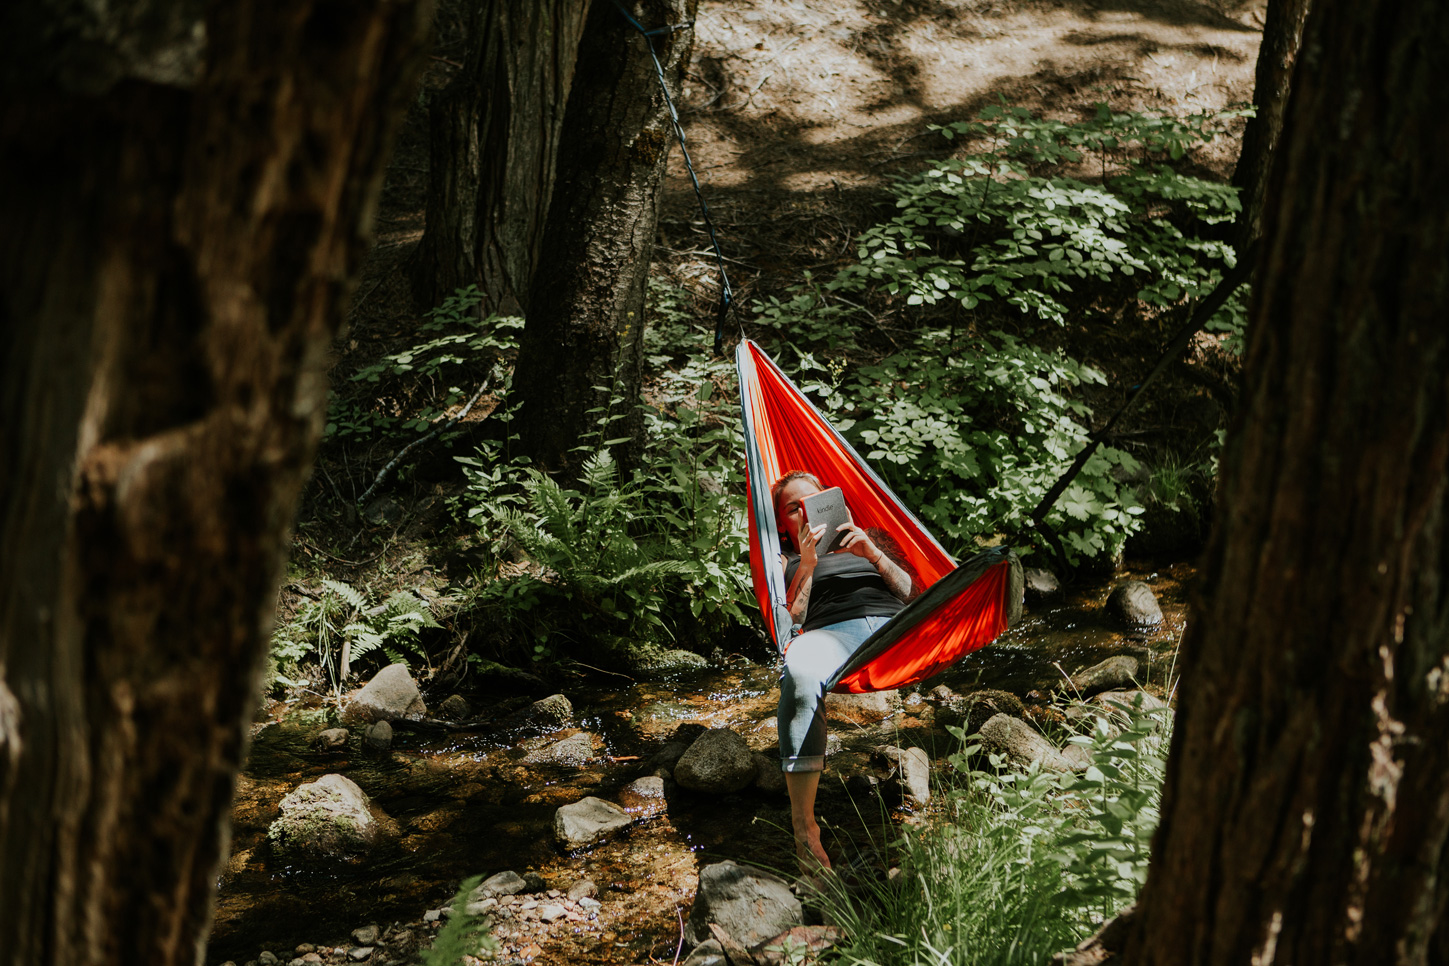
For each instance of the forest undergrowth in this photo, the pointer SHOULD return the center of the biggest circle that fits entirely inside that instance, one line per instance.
(958, 350)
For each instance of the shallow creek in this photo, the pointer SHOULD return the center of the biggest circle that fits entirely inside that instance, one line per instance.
(466, 804)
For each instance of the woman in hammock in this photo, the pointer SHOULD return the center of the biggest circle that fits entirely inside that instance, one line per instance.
(837, 600)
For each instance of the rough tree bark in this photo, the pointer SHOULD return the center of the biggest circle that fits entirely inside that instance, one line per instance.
(1306, 806)
(188, 189)
(1282, 39)
(494, 137)
(586, 314)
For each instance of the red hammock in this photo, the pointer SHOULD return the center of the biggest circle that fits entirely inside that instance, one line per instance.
(964, 608)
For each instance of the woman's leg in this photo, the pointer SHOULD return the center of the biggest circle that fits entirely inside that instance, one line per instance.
(810, 662)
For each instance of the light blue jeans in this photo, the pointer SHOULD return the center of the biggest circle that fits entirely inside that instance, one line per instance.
(810, 662)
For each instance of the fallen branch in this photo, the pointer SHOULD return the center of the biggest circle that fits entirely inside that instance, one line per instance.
(440, 427)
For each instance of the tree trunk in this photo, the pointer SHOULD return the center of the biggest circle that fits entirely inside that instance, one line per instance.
(188, 192)
(495, 135)
(1282, 38)
(1306, 805)
(583, 344)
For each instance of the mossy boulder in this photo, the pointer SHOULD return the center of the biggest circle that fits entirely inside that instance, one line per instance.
(328, 819)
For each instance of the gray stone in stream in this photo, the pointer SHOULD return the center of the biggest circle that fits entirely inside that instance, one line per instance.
(392, 693)
(588, 821)
(750, 905)
(643, 795)
(1134, 604)
(1126, 701)
(769, 777)
(1021, 743)
(719, 762)
(1078, 756)
(1040, 584)
(267, 958)
(707, 953)
(1119, 671)
(582, 889)
(973, 710)
(328, 818)
(378, 736)
(359, 954)
(572, 751)
(552, 711)
(669, 662)
(455, 708)
(904, 771)
(366, 935)
(331, 740)
(503, 884)
(867, 708)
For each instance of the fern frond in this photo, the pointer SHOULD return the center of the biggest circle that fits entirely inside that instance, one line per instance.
(346, 591)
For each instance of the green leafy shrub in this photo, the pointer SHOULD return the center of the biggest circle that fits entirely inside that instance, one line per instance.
(994, 226)
(972, 431)
(428, 374)
(1018, 864)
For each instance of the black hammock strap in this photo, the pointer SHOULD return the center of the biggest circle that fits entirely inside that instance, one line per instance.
(726, 293)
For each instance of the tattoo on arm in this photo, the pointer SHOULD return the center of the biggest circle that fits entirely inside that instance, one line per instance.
(897, 581)
(797, 598)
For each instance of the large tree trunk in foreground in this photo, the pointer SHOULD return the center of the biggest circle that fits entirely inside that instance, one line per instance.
(1306, 806)
(495, 134)
(1282, 39)
(188, 192)
(586, 315)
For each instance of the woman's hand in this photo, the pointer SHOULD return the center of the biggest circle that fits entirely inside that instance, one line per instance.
(858, 542)
(807, 538)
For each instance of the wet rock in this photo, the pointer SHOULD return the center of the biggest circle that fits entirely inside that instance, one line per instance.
(905, 772)
(1127, 701)
(707, 953)
(868, 708)
(1040, 584)
(551, 912)
(326, 819)
(360, 954)
(1079, 757)
(973, 710)
(455, 708)
(552, 711)
(669, 662)
(769, 778)
(1112, 674)
(502, 884)
(366, 935)
(1021, 743)
(582, 889)
(392, 693)
(1134, 604)
(643, 795)
(719, 762)
(267, 958)
(572, 751)
(533, 882)
(331, 740)
(378, 736)
(588, 821)
(750, 905)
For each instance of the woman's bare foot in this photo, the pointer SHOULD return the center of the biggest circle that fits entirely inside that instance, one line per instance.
(809, 851)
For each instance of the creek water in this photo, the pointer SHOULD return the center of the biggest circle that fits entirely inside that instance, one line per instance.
(468, 803)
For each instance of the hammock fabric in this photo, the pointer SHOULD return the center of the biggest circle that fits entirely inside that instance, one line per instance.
(963, 608)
